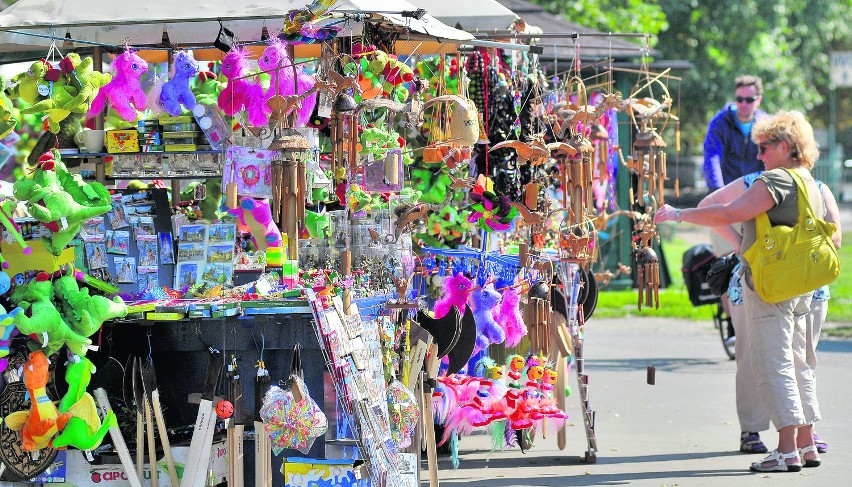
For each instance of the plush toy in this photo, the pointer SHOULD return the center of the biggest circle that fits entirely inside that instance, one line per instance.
(7, 123)
(42, 421)
(85, 314)
(7, 208)
(483, 301)
(51, 204)
(276, 61)
(42, 321)
(84, 429)
(510, 318)
(456, 291)
(87, 81)
(257, 216)
(30, 86)
(176, 92)
(7, 332)
(124, 89)
(207, 87)
(242, 92)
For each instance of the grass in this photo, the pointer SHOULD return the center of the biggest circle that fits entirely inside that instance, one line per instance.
(674, 300)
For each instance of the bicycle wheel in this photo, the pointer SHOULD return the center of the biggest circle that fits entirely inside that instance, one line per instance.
(722, 320)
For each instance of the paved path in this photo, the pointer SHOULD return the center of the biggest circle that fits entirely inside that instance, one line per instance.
(682, 431)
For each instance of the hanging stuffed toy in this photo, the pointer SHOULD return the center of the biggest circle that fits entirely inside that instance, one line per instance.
(456, 291)
(62, 208)
(176, 91)
(483, 301)
(124, 92)
(257, 216)
(84, 430)
(276, 61)
(510, 318)
(85, 314)
(42, 421)
(42, 320)
(7, 123)
(242, 92)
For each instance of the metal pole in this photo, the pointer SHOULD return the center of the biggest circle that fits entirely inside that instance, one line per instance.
(833, 163)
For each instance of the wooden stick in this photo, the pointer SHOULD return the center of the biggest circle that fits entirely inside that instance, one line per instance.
(152, 447)
(431, 452)
(164, 438)
(140, 443)
(118, 440)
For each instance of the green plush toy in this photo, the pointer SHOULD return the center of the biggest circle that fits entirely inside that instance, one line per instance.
(83, 312)
(42, 320)
(7, 123)
(50, 203)
(87, 81)
(26, 85)
(207, 88)
(437, 192)
(84, 429)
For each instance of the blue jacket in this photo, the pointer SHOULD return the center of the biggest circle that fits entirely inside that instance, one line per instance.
(728, 154)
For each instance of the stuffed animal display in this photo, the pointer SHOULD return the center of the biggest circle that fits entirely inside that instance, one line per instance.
(176, 91)
(84, 313)
(124, 91)
(84, 429)
(457, 288)
(483, 303)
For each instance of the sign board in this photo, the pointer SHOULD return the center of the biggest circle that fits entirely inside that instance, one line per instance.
(841, 68)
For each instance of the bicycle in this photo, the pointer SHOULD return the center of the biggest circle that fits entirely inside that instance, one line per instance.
(696, 263)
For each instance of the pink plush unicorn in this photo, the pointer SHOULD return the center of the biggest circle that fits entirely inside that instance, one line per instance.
(456, 290)
(257, 216)
(276, 61)
(242, 92)
(124, 88)
(510, 318)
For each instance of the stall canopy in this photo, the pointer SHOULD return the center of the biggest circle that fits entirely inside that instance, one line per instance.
(469, 14)
(29, 24)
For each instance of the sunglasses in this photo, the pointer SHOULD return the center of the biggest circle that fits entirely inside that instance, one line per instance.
(761, 148)
(748, 99)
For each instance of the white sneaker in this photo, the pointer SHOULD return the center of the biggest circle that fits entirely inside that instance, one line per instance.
(731, 341)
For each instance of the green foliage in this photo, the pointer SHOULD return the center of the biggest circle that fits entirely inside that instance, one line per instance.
(630, 16)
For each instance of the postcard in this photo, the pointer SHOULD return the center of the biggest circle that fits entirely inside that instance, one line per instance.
(190, 251)
(218, 274)
(222, 233)
(143, 228)
(96, 255)
(167, 248)
(117, 242)
(146, 282)
(192, 233)
(223, 253)
(186, 275)
(93, 230)
(147, 253)
(117, 216)
(125, 269)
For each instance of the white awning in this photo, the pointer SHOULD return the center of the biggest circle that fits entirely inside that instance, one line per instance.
(187, 23)
(469, 14)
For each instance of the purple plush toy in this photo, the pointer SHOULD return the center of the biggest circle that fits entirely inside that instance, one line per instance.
(276, 61)
(176, 91)
(483, 301)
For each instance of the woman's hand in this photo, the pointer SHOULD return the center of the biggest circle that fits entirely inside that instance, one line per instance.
(666, 214)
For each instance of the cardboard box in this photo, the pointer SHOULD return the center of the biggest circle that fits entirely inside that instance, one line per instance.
(118, 141)
(310, 472)
(80, 473)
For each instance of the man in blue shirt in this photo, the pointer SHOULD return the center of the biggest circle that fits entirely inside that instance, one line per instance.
(729, 152)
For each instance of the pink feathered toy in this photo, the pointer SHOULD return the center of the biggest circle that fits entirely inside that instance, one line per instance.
(276, 61)
(124, 88)
(456, 290)
(257, 216)
(244, 92)
(510, 318)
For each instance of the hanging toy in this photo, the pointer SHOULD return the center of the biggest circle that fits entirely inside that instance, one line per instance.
(456, 291)
(490, 211)
(176, 91)
(510, 318)
(257, 216)
(7, 208)
(84, 429)
(84, 313)
(483, 301)
(242, 92)
(276, 61)
(42, 421)
(124, 89)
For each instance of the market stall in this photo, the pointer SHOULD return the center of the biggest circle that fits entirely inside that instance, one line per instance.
(288, 264)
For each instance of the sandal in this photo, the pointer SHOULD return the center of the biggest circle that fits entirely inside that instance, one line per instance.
(778, 463)
(815, 462)
(821, 445)
(750, 443)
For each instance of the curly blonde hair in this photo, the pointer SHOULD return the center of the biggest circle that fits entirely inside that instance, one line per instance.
(792, 128)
